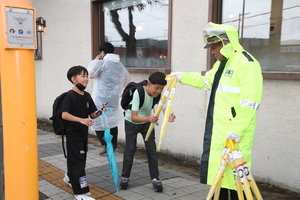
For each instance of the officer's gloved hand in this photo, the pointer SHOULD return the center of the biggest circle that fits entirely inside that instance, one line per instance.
(178, 74)
(233, 136)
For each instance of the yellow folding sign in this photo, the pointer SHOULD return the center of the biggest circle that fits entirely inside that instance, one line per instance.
(167, 112)
(160, 104)
(245, 183)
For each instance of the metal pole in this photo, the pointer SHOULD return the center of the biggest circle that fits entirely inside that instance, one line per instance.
(1, 152)
(18, 101)
(275, 35)
(239, 24)
(243, 15)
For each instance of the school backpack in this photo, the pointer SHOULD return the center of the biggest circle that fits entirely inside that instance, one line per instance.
(58, 123)
(128, 94)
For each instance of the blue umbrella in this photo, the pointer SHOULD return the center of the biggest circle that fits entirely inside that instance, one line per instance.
(110, 152)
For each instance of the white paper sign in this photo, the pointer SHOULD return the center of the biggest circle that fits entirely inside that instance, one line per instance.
(20, 27)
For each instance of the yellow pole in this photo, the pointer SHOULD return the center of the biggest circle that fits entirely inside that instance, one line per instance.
(167, 113)
(160, 105)
(19, 115)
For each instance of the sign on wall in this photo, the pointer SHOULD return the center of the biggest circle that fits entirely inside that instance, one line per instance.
(20, 27)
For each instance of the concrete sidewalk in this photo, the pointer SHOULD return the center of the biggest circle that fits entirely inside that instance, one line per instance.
(52, 167)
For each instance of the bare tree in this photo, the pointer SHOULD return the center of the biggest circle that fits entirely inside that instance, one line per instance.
(129, 38)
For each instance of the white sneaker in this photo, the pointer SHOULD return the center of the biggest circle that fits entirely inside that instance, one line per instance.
(83, 197)
(66, 179)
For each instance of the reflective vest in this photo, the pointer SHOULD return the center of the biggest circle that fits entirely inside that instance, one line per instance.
(235, 103)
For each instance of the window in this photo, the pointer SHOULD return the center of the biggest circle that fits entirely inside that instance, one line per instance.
(139, 31)
(269, 30)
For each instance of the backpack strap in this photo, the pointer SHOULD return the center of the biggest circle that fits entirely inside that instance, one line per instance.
(74, 102)
(141, 92)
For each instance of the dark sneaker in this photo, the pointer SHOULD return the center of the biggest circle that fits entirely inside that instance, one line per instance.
(124, 182)
(103, 152)
(157, 185)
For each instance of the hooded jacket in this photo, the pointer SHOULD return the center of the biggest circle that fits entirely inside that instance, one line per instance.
(232, 106)
(110, 77)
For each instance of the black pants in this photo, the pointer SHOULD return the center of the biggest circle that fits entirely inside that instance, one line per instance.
(76, 161)
(113, 132)
(132, 131)
(232, 193)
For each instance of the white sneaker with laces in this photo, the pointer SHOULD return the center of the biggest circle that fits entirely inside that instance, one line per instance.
(83, 197)
(66, 179)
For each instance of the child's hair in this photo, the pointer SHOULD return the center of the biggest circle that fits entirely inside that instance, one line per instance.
(76, 70)
(158, 78)
(107, 47)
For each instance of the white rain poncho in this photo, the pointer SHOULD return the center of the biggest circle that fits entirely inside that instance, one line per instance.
(110, 77)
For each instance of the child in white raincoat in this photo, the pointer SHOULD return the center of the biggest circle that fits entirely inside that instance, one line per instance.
(110, 77)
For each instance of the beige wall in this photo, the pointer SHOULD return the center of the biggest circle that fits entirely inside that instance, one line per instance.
(67, 42)
(184, 136)
(277, 140)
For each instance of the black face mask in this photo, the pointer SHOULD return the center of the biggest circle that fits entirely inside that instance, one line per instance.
(80, 86)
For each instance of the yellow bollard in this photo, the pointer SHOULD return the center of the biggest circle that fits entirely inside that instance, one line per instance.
(19, 112)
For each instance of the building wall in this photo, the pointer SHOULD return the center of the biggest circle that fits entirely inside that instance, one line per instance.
(275, 150)
(67, 42)
(184, 136)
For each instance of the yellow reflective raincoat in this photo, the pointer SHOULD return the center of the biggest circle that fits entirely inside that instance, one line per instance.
(232, 107)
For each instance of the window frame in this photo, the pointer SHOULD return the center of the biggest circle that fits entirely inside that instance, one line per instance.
(97, 26)
(215, 15)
